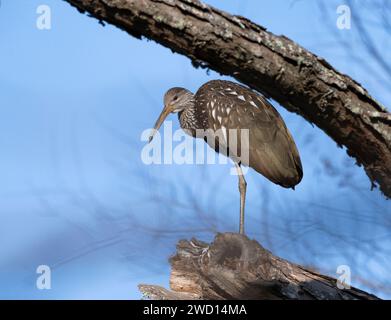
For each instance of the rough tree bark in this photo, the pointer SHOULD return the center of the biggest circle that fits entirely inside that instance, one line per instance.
(274, 65)
(235, 267)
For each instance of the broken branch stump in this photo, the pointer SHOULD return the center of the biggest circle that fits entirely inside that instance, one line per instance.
(235, 267)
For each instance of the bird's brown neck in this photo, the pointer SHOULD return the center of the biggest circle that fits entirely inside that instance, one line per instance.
(188, 119)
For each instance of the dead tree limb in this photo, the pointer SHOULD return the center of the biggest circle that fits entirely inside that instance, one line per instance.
(274, 65)
(235, 267)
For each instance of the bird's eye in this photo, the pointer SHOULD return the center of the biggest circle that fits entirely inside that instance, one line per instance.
(175, 98)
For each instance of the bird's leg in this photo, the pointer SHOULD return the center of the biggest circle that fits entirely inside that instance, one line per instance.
(242, 190)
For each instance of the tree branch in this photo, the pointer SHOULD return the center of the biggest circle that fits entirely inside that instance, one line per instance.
(274, 65)
(235, 267)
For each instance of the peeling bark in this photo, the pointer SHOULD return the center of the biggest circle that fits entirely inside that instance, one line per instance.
(274, 65)
(235, 267)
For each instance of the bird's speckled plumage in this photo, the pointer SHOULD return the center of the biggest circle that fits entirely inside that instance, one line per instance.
(227, 105)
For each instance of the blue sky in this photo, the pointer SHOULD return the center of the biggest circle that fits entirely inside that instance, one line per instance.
(75, 195)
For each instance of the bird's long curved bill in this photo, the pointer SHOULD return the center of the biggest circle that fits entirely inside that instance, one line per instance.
(166, 111)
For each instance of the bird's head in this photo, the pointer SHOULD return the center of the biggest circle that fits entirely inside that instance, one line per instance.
(175, 100)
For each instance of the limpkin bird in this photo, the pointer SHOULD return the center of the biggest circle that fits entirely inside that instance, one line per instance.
(227, 105)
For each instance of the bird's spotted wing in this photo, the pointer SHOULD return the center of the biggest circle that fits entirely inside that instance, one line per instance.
(272, 151)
